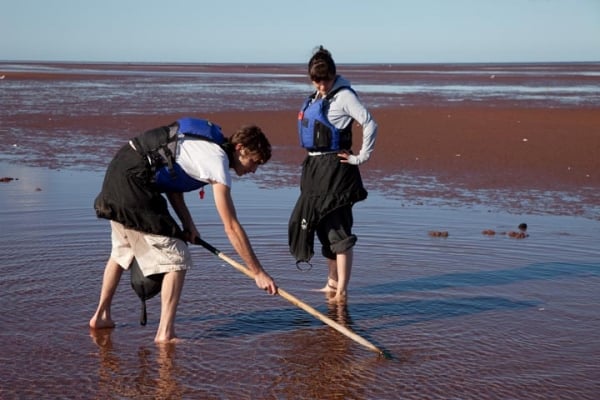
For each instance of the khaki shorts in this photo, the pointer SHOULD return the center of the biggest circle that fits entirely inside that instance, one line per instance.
(154, 253)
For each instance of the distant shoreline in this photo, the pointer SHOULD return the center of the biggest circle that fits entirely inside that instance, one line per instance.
(302, 64)
(513, 150)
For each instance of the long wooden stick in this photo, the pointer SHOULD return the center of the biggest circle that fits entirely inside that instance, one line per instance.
(292, 299)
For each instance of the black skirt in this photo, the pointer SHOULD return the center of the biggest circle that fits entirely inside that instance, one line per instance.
(326, 185)
(129, 197)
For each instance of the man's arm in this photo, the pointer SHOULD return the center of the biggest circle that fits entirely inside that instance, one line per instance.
(181, 209)
(238, 238)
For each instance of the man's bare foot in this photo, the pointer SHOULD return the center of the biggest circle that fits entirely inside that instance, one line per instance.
(101, 323)
(172, 340)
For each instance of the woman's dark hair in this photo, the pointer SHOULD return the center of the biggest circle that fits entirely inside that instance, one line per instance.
(321, 66)
(253, 139)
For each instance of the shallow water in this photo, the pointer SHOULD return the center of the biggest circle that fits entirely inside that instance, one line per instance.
(468, 316)
(116, 88)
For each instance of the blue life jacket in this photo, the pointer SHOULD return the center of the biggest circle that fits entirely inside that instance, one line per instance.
(169, 176)
(315, 131)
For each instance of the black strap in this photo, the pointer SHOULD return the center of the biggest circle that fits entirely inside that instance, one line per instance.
(143, 315)
(334, 92)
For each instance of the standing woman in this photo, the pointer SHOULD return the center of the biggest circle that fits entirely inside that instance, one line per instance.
(331, 181)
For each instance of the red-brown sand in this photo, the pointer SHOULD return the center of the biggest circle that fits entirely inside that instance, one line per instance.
(476, 147)
(516, 148)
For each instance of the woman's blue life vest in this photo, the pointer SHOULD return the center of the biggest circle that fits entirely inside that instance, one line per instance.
(315, 131)
(159, 146)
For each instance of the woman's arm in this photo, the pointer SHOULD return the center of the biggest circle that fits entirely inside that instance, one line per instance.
(353, 107)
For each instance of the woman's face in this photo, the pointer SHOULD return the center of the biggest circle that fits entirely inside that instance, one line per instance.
(323, 86)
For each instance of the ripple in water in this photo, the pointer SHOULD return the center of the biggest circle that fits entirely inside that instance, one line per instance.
(465, 316)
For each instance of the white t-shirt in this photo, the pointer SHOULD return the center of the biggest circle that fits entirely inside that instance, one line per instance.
(203, 160)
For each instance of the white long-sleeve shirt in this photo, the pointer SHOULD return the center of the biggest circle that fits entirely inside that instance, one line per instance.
(345, 106)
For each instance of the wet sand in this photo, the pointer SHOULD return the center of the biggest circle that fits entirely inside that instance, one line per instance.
(478, 147)
(511, 154)
(521, 151)
(474, 145)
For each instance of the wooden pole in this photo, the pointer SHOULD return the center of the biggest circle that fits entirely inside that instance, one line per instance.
(294, 300)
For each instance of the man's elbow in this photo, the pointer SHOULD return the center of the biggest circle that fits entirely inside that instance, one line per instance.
(230, 230)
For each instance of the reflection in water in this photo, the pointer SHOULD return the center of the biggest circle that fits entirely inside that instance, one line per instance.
(327, 376)
(333, 368)
(468, 317)
(146, 377)
(109, 361)
(339, 313)
(167, 384)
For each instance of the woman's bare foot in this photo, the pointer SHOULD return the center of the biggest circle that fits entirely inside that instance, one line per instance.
(328, 289)
(339, 298)
(331, 286)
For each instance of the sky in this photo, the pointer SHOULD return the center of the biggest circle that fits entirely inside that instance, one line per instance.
(282, 31)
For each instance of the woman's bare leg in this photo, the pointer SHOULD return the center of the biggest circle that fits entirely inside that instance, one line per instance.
(332, 277)
(344, 268)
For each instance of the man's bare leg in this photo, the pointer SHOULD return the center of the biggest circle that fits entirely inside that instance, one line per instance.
(172, 286)
(112, 275)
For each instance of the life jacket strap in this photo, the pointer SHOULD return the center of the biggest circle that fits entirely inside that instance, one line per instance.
(158, 147)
